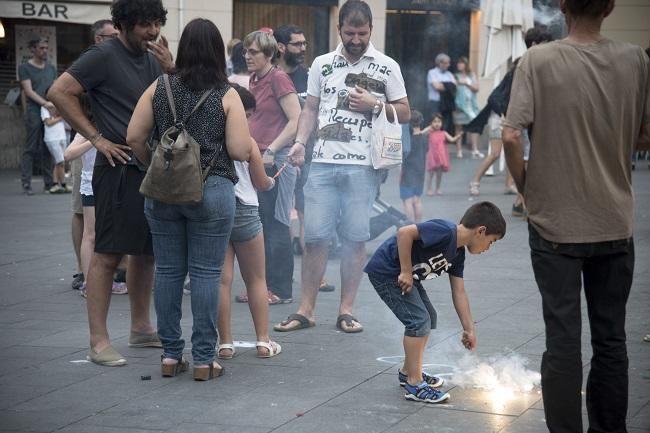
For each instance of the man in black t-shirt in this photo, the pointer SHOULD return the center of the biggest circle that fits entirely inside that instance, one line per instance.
(292, 46)
(115, 74)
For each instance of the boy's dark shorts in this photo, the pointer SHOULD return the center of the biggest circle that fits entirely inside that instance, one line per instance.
(413, 309)
(409, 191)
(120, 224)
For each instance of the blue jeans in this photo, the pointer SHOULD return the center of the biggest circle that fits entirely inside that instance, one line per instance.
(413, 309)
(191, 238)
(605, 270)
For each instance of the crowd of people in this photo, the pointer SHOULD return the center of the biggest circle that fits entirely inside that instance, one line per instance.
(275, 135)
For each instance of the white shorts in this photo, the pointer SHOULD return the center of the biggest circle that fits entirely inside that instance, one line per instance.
(56, 149)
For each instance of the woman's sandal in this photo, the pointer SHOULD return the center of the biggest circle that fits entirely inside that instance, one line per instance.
(272, 348)
(226, 346)
(474, 188)
(171, 370)
(208, 373)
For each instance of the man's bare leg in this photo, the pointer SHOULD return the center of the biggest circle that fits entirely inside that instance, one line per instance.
(353, 258)
(139, 280)
(314, 263)
(99, 282)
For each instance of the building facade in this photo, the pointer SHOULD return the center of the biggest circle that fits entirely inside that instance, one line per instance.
(411, 31)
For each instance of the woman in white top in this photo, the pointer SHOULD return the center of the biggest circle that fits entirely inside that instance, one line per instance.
(82, 148)
(247, 243)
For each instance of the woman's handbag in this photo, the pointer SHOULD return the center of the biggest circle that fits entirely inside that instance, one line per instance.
(174, 175)
(386, 141)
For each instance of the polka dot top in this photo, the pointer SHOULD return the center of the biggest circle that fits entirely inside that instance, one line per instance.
(207, 125)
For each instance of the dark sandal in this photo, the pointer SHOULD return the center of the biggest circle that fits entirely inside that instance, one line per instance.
(348, 318)
(171, 370)
(303, 323)
(208, 373)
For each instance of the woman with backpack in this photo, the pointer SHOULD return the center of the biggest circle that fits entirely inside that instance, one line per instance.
(193, 237)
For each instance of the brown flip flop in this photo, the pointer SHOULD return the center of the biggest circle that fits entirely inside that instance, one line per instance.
(348, 318)
(303, 323)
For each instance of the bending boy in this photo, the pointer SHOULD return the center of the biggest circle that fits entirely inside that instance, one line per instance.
(420, 252)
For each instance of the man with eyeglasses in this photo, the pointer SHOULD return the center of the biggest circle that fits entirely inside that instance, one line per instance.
(292, 46)
(104, 30)
(36, 75)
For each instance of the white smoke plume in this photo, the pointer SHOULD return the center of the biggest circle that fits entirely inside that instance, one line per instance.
(506, 371)
(548, 16)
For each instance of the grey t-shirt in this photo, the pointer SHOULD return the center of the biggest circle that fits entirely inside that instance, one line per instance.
(115, 78)
(41, 78)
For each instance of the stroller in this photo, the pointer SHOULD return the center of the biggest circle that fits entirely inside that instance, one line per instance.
(387, 217)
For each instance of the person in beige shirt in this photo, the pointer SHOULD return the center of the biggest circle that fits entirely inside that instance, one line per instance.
(586, 101)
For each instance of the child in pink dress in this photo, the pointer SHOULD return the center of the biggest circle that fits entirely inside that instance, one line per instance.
(437, 156)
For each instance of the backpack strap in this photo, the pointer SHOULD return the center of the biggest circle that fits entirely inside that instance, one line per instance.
(170, 98)
(213, 161)
(198, 104)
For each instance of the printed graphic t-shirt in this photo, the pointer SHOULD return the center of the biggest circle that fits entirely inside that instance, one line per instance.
(344, 135)
(432, 255)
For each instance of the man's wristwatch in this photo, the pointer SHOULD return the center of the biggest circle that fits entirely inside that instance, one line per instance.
(377, 108)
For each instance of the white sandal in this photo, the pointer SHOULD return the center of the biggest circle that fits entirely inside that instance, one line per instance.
(226, 346)
(272, 347)
(474, 188)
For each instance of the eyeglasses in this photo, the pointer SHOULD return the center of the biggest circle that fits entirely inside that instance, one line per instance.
(109, 36)
(252, 52)
(298, 44)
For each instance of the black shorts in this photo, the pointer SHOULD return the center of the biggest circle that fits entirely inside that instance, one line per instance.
(120, 224)
(87, 200)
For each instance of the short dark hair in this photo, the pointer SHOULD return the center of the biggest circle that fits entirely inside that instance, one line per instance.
(247, 99)
(98, 26)
(437, 116)
(485, 214)
(127, 13)
(283, 33)
(356, 12)
(201, 60)
(416, 119)
(237, 58)
(35, 41)
(537, 35)
(588, 8)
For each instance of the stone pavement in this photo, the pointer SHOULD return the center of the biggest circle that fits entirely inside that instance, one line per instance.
(323, 381)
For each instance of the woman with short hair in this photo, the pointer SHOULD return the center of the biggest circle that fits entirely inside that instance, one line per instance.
(273, 126)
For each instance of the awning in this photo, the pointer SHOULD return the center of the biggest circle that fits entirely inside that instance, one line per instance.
(80, 13)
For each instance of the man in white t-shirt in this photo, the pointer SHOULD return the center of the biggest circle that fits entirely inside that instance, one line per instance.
(346, 90)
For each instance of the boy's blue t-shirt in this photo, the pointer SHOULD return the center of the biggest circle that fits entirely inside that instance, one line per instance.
(434, 253)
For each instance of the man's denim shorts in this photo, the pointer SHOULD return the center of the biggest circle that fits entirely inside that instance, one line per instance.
(339, 195)
(413, 309)
(246, 224)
